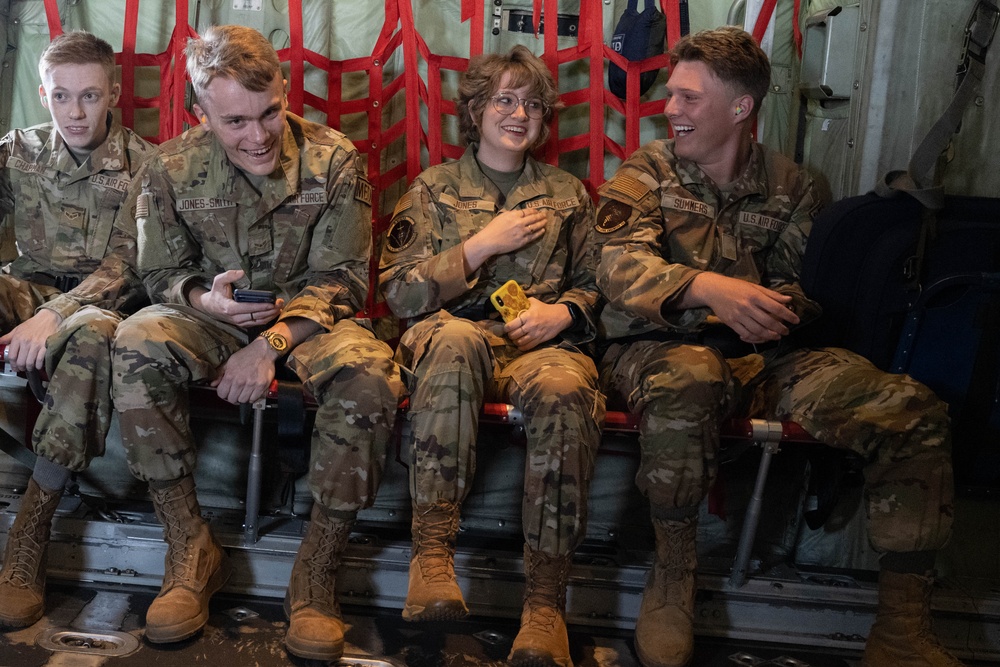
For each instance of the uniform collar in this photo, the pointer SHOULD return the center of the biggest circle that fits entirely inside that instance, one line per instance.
(473, 183)
(111, 155)
(275, 190)
(753, 180)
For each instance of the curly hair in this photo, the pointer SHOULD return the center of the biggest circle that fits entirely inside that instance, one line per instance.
(482, 80)
(732, 54)
(232, 52)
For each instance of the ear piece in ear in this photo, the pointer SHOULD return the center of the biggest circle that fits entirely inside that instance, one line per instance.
(739, 110)
(204, 119)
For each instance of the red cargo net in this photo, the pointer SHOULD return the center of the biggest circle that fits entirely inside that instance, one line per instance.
(400, 32)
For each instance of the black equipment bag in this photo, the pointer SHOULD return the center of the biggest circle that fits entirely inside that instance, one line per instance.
(929, 309)
(637, 36)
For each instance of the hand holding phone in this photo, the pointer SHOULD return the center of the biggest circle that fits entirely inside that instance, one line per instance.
(253, 296)
(510, 300)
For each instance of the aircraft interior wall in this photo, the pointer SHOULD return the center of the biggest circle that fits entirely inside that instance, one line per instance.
(904, 70)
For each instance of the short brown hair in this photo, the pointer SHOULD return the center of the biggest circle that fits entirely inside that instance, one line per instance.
(78, 48)
(482, 80)
(232, 52)
(733, 55)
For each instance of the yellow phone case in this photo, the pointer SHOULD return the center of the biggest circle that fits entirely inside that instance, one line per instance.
(510, 300)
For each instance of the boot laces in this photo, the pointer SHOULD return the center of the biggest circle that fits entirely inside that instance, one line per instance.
(180, 559)
(435, 550)
(324, 560)
(545, 594)
(26, 554)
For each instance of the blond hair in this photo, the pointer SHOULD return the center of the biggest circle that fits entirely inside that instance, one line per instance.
(78, 48)
(232, 52)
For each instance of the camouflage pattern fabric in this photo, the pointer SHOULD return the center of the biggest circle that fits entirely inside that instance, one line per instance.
(71, 232)
(76, 414)
(65, 217)
(307, 236)
(458, 357)
(162, 349)
(663, 221)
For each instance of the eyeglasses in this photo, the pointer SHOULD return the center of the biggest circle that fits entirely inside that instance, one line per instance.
(507, 104)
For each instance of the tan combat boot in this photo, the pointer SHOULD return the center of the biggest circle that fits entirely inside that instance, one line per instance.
(433, 593)
(315, 628)
(901, 635)
(542, 640)
(22, 580)
(664, 631)
(194, 568)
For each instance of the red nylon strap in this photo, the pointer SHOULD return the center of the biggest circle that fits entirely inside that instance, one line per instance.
(763, 19)
(52, 17)
(474, 11)
(672, 10)
(297, 57)
(176, 93)
(127, 61)
(797, 29)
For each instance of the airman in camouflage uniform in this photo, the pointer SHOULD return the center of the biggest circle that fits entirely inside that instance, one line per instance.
(703, 238)
(461, 232)
(62, 186)
(254, 197)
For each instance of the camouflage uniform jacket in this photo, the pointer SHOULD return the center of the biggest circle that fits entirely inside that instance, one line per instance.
(306, 235)
(423, 270)
(64, 215)
(661, 221)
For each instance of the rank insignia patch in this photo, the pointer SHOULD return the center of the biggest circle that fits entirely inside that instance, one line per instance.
(400, 235)
(612, 216)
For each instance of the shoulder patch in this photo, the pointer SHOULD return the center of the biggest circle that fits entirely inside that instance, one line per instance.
(400, 235)
(363, 191)
(629, 187)
(612, 216)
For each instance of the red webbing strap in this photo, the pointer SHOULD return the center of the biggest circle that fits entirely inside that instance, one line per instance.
(591, 44)
(672, 11)
(411, 71)
(550, 56)
(474, 10)
(52, 17)
(127, 61)
(763, 19)
(297, 59)
(797, 29)
(177, 43)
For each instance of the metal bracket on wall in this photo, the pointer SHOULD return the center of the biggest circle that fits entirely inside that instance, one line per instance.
(519, 20)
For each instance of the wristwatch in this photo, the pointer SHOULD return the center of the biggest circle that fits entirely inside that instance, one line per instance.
(277, 342)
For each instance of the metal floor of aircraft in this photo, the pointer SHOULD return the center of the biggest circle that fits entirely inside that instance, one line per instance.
(249, 632)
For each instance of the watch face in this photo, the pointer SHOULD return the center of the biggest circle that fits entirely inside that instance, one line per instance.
(276, 341)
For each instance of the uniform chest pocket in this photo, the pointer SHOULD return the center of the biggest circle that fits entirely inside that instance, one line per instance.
(70, 242)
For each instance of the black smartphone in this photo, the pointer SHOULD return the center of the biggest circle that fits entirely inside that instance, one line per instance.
(253, 296)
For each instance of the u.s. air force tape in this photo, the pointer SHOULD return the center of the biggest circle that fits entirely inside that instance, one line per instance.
(400, 235)
(612, 216)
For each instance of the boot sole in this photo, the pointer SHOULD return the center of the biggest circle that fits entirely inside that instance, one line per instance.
(20, 621)
(449, 612)
(181, 631)
(649, 662)
(316, 651)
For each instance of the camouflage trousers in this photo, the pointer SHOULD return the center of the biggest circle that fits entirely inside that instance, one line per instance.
(457, 364)
(162, 348)
(897, 425)
(72, 426)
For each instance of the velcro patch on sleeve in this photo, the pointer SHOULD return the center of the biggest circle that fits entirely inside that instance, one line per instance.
(405, 202)
(401, 234)
(363, 191)
(612, 216)
(629, 187)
